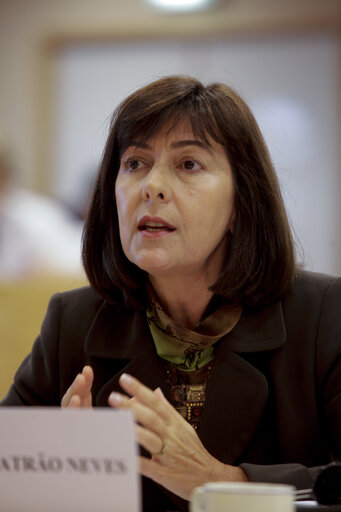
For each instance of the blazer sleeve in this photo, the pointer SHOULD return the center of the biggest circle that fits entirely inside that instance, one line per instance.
(328, 393)
(36, 382)
(328, 367)
(297, 475)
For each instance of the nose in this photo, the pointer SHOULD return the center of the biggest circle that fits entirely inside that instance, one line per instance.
(156, 185)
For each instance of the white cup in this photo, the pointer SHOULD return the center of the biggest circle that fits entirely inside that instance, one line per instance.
(242, 497)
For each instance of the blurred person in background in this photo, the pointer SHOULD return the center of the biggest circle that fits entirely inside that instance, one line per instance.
(37, 234)
(196, 307)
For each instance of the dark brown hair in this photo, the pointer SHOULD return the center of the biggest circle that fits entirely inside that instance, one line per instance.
(260, 261)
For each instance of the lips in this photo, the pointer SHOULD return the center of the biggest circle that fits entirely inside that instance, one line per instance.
(154, 224)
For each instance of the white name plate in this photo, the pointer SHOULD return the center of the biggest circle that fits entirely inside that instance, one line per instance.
(77, 460)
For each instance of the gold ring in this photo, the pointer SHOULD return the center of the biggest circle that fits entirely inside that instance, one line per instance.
(161, 452)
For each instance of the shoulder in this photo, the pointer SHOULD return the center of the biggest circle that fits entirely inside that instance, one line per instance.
(75, 302)
(314, 299)
(85, 298)
(313, 285)
(315, 279)
(76, 309)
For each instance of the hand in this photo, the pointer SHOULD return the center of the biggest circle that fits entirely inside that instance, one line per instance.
(79, 393)
(179, 460)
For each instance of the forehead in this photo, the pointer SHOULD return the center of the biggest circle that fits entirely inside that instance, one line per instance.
(173, 132)
(176, 127)
(177, 123)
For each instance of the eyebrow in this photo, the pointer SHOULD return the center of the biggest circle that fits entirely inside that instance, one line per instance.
(174, 145)
(190, 142)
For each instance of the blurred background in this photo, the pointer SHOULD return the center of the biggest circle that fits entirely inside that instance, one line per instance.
(66, 64)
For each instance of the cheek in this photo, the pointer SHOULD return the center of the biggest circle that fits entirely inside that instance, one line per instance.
(120, 200)
(126, 211)
(124, 205)
(121, 205)
(219, 214)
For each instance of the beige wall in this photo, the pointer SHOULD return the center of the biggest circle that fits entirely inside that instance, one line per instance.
(32, 30)
(22, 307)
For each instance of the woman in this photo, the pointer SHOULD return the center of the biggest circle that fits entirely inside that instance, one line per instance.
(195, 309)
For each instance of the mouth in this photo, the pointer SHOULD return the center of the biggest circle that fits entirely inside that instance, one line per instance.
(154, 225)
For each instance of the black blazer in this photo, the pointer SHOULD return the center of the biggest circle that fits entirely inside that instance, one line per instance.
(273, 401)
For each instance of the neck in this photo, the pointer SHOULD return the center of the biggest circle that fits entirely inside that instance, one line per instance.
(184, 300)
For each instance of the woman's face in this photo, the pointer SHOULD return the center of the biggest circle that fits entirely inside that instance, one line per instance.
(175, 198)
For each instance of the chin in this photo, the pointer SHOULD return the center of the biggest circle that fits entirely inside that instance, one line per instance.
(152, 261)
(155, 268)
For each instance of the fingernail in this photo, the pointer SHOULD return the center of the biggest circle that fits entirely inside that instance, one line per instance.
(160, 392)
(126, 378)
(115, 397)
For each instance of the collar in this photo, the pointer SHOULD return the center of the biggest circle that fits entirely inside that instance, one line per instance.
(118, 333)
(259, 330)
(122, 333)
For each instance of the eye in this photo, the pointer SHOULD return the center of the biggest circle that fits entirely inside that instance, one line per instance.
(131, 164)
(191, 165)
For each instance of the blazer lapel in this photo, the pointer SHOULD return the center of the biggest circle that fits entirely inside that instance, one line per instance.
(235, 400)
(237, 391)
(124, 335)
(145, 366)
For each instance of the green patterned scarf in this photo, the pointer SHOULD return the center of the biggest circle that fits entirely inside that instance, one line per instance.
(189, 350)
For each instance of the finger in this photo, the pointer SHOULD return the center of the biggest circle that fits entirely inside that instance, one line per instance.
(88, 374)
(154, 400)
(149, 440)
(75, 401)
(85, 393)
(158, 391)
(72, 390)
(154, 470)
(81, 386)
(144, 415)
